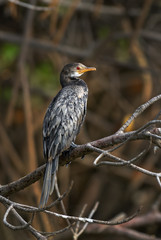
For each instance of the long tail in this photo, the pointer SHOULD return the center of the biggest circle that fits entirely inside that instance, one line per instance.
(49, 181)
(54, 170)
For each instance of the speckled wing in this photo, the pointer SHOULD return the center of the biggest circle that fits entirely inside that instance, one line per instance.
(63, 120)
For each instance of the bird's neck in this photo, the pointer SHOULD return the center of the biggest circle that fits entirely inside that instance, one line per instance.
(69, 81)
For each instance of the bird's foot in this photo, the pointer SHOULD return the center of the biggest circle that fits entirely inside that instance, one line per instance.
(67, 152)
(73, 145)
(82, 157)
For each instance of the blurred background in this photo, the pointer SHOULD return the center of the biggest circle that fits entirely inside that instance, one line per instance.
(122, 39)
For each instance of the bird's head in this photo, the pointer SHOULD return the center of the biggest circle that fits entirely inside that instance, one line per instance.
(75, 70)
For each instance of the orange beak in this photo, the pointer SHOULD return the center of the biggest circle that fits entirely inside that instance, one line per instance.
(86, 69)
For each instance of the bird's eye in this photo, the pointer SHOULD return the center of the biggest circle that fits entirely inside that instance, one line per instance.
(78, 68)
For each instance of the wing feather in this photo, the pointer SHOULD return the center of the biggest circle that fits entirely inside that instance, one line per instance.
(62, 122)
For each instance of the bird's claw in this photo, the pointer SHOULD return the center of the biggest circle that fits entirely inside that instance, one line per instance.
(73, 145)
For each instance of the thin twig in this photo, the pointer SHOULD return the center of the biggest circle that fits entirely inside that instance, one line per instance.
(82, 219)
(21, 227)
(30, 6)
(75, 235)
(32, 230)
(47, 234)
(118, 160)
(86, 224)
(138, 111)
(62, 204)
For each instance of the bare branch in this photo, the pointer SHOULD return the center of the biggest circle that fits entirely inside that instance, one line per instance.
(142, 170)
(105, 10)
(122, 232)
(30, 6)
(49, 234)
(27, 208)
(86, 224)
(62, 204)
(23, 182)
(46, 45)
(79, 151)
(118, 160)
(138, 111)
(21, 227)
(32, 230)
(75, 235)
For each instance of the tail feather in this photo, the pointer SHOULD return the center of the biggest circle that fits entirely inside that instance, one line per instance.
(46, 185)
(49, 181)
(54, 170)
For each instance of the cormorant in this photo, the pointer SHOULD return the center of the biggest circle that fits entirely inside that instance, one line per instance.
(62, 121)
